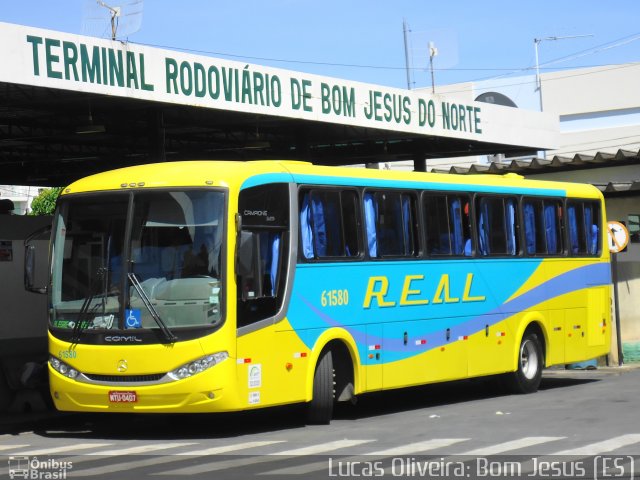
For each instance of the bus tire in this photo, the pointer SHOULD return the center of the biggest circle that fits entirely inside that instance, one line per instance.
(526, 379)
(320, 408)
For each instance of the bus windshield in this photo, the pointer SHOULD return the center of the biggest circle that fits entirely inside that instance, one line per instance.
(121, 260)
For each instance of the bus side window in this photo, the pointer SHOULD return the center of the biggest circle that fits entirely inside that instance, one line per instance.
(437, 225)
(583, 218)
(497, 226)
(447, 225)
(391, 227)
(329, 224)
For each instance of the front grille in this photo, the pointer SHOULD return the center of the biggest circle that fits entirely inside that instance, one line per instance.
(154, 377)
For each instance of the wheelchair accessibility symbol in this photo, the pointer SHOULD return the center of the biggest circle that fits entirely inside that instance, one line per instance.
(133, 319)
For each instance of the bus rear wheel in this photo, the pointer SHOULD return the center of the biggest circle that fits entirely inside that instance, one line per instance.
(526, 379)
(320, 408)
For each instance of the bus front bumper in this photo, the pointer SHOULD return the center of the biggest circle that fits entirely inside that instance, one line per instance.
(204, 392)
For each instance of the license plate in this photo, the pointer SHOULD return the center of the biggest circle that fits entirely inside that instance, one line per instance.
(123, 396)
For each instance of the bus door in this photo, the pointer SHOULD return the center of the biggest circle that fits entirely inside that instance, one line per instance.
(262, 263)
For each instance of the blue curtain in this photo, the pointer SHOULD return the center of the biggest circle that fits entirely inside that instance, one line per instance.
(573, 229)
(510, 213)
(275, 257)
(551, 228)
(305, 228)
(591, 229)
(457, 243)
(595, 231)
(269, 253)
(530, 227)
(319, 226)
(483, 228)
(370, 222)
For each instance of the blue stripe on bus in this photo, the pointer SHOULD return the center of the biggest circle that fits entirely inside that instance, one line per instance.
(309, 318)
(265, 178)
(568, 282)
(406, 184)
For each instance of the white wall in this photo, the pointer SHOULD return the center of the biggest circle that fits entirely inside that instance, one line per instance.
(20, 195)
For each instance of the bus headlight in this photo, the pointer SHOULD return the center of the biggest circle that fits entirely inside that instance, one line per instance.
(200, 365)
(62, 368)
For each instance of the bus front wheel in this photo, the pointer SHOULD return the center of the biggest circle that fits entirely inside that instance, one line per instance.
(526, 379)
(320, 408)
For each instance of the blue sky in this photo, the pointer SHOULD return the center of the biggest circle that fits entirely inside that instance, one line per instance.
(363, 40)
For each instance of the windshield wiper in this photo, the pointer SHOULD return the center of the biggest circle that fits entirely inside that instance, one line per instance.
(169, 335)
(82, 321)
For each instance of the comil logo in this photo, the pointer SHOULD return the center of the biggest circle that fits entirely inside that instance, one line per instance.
(33, 468)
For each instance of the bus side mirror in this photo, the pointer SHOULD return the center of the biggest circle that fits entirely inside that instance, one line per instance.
(249, 265)
(29, 270)
(30, 260)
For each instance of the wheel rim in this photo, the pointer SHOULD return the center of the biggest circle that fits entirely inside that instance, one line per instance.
(528, 359)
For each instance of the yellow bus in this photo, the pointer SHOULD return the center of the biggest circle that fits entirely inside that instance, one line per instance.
(223, 286)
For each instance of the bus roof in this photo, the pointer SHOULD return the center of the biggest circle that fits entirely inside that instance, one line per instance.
(237, 175)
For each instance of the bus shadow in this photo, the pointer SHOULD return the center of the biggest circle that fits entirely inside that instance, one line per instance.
(442, 394)
(170, 426)
(229, 425)
(571, 379)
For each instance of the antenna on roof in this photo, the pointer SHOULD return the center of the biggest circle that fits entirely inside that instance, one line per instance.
(116, 21)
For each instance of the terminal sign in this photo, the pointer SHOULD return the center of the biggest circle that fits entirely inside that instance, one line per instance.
(618, 236)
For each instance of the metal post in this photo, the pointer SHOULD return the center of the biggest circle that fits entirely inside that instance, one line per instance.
(405, 29)
(433, 51)
(614, 278)
(536, 42)
(433, 80)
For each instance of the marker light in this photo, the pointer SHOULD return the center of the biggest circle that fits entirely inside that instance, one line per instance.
(201, 364)
(62, 368)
